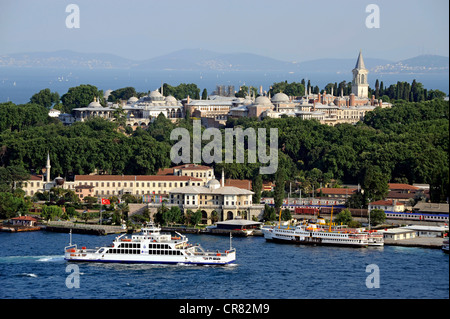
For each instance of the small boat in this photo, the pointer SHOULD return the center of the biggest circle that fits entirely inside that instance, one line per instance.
(151, 246)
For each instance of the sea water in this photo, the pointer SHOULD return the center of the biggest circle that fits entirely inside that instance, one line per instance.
(32, 267)
(19, 84)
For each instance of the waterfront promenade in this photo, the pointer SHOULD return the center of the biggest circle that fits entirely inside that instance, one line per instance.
(65, 227)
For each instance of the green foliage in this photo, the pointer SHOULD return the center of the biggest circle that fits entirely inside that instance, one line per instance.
(344, 217)
(182, 91)
(12, 176)
(45, 98)
(18, 117)
(377, 217)
(122, 94)
(269, 213)
(257, 188)
(204, 94)
(279, 189)
(80, 96)
(51, 212)
(286, 214)
(11, 205)
(290, 89)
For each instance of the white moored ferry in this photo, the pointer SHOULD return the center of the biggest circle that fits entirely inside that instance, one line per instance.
(315, 235)
(151, 246)
(375, 238)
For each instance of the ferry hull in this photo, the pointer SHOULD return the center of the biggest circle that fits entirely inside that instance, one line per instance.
(315, 242)
(197, 260)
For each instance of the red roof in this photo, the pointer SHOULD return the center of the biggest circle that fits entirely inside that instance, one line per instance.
(137, 178)
(25, 218)
(192, 167)
(337, 191)
(35, 178)
(165, 171)
(385, 203)
(239, 183)
(396, 186)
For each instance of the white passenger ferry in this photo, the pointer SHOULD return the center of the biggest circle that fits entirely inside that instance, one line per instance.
(375, 238)
(312, 234)
(151, 246)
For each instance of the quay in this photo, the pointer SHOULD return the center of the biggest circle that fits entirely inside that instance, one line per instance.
(65, 227)
(421, 242)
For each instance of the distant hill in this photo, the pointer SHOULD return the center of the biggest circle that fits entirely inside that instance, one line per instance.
(205, 60)
(418, 64)
(65, 59)
(338, 65)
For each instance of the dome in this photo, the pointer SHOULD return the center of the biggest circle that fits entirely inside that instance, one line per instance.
(155, 93)
(262, 100)
(133, 99)
(213, 183)
(280, 98)
(170, 100)
(59, 180)
(95, 103)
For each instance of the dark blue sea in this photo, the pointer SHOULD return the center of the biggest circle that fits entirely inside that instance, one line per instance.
(32, 267)
(19, 84)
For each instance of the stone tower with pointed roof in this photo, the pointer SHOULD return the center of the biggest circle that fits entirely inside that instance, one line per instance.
(360, 86)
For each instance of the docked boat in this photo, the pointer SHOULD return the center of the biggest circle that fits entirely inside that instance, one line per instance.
(375, 238)
(445, 246)
(151, 246)
(312, 234)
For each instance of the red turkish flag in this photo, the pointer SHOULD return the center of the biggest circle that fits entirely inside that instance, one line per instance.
(105, 201)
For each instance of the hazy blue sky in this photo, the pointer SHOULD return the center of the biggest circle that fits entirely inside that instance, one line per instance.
(290, 30)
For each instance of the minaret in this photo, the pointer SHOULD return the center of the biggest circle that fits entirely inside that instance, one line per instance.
(223, 178)
(48, 166)
(360, 86)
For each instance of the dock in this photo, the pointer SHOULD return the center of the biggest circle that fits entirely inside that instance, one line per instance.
(91, 229)
(421, 242)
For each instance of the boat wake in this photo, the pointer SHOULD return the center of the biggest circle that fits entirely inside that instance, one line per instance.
(28, 275)
(25, 259)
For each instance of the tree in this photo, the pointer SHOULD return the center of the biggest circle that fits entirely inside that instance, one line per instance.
(377, 89)
(51, 212)
(214, 217)
(81, 96)
(269, 213)
(196, 217)
(286, 214)
(12, 176)
(257, 188)
(122, 94)
(45, 98)
(17, 117)
(375, 183)
(12, 206)
(377, 217)
(279, 189)
(344, 217)
(204, 94)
